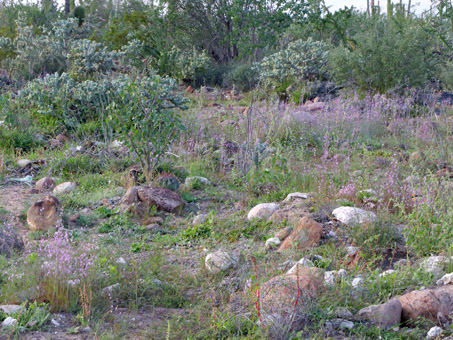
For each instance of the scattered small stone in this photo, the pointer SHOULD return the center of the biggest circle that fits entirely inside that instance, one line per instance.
(9, 321)
(23, 162)
(331, 277)
(196, 181)
(272, 242)
(434, 265)
(358, 281)
(219, 261)
(303, 262)
(73, 283)
(352, 215)
(331, 234)
(352, 250)
(445, 280)
(387, 272)
(110, 289)
(44, 184)
(296, 195)
(55, 323)
(346, 324)
(10, 309)
(343, 313)
(121, 261)
(64, 188)
(262, 211)
(200, 219)
(434, 332)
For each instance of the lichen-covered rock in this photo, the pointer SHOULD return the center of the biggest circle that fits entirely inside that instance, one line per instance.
(219, 261)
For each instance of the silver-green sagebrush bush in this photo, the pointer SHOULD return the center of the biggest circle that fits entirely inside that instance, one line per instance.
(301, 59)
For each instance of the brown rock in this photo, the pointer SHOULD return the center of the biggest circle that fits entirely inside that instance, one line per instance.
(163, 198)
(44, 184)
(62, 138)
(74, 217)
(307, 234)
(445, 172)
(55, 143)
(427, 303)
(190, 89)
(283, 298)
(385, 315)
(416, 157)
(44, 214)
(291, 215)
(154, 220)
(283, 233)
(131, 195)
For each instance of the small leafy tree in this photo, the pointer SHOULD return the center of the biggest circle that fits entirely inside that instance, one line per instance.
(145, 114)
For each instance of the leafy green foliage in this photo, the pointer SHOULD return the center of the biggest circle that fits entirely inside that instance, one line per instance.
(388, 54)
(144, 114)
(301, 59)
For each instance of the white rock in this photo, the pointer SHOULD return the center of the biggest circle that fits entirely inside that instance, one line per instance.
(352, 215)
(263, 211)
(358, 281)
(10, 309)
(345, 324)
(200, 219)
(295, 196)
(272, 242)
(371, 192)
(9, 321)
(23, 162)
(121, 261)
(387, 272)
(434, 332)
(303, 262)
(434, 265)
(196, 179)
(331, 277)
(64, 188)
(447, 279)
(116, 144)
(219, 261)
(332, 234)
(110, 289)
(73, 283)
(55, 323)
(352, 250)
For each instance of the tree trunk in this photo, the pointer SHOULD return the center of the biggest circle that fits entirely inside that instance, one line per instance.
(389, 8)
(372, 7)
(67, 6)
(409, 8)
(368, 7)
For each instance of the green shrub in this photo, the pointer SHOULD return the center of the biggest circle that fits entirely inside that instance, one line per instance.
(243, 77)
(17, 139)
(390, 54)
(145, 114)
